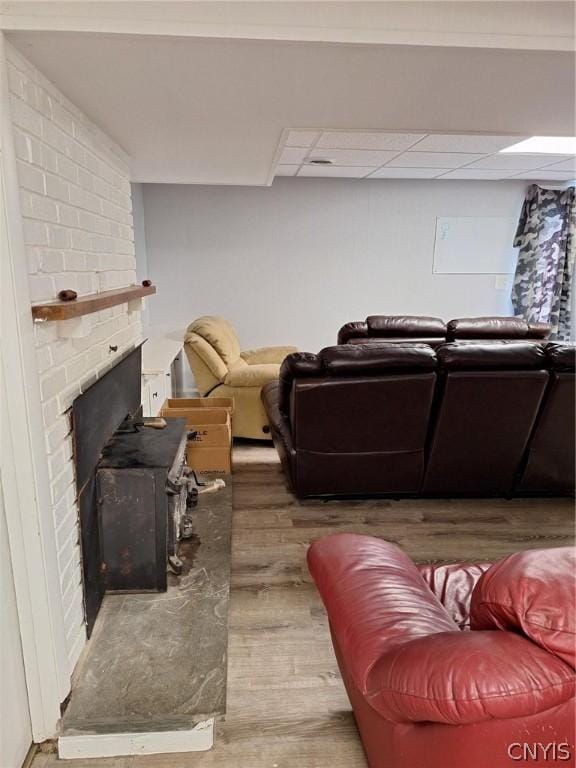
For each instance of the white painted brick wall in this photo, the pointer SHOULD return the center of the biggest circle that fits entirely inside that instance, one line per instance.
(77, 209)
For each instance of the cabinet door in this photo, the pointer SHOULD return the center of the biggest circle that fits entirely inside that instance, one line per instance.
(157, 389)
(146, 410)
(169, 385)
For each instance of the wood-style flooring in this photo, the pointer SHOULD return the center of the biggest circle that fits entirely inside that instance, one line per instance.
(286, 704)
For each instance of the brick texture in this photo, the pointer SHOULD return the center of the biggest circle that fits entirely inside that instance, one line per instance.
(77, 211)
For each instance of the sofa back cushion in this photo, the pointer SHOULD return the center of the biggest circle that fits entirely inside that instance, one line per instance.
(343, 361)
(487, 328)
(550, 465)
(495, 356)
(532, 592)
(219, 334)
(358, 359)
(488, 401)
(405, 325)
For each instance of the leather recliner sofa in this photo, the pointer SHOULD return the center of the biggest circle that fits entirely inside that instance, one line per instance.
(221, 369)
(453, 665)
(482, 419)
(434, 331)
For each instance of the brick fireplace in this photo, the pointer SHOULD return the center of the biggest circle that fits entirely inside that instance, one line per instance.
(77, 217)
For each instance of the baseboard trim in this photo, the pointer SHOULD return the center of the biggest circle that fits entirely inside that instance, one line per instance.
(197, 739)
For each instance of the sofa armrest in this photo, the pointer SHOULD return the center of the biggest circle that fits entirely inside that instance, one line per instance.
(375, 599)
(354, 329)
(252, 375)
(267, 355)
(468, 677)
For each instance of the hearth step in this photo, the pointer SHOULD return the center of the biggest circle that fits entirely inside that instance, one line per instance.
(153, 675)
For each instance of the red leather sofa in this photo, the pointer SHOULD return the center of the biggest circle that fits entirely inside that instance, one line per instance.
(453, 666)
(434, 331)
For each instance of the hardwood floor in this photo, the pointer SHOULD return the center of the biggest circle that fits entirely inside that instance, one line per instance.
(286, 704)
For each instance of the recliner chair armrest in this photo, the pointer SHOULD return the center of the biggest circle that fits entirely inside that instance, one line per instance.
(468, 677)
(252, 375)
(267, 355)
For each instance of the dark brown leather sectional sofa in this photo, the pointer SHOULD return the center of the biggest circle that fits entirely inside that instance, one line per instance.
(434, 331)
(461, 418)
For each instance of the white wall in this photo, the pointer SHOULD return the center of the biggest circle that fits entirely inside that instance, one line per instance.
(292, 263)
(77, 222)
(15, 727)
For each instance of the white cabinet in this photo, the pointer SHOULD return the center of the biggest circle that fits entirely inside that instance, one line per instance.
(158, 358)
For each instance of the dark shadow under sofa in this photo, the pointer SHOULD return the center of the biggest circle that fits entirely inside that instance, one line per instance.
(407, 419)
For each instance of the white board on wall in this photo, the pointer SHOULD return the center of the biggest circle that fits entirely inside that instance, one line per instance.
(471, 245)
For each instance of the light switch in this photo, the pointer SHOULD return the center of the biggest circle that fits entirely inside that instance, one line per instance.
(502, 282)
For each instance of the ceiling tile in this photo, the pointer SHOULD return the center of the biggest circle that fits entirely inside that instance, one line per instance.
(565, 165)
(335, 171)
(406, 173)
(292, 155)
(301, 138)
(367, 140)
(545, 175)
(478, 173)
(432, 160)
(354, 156)
(287, 170)
(479, 143)
(516, 162)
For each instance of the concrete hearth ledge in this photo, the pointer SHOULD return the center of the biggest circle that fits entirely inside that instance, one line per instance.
(198, 739)
(153, 675)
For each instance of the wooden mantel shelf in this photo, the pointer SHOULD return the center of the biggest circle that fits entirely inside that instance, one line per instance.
(91, 302)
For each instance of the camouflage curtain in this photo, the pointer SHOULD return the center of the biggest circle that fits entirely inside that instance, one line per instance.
(546, 237)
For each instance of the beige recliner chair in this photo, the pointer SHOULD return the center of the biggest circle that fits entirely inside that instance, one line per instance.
(222, 370)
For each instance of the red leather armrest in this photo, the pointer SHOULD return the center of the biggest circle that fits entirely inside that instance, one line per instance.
(375, 598)
(468, 677)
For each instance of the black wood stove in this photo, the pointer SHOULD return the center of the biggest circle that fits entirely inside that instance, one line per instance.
(133, 487)
(142, 490)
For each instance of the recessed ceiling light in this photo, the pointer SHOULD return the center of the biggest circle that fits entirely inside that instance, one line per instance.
(320, 161)
(543, 145)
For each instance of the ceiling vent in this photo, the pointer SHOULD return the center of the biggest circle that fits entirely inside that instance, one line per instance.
(320, 161)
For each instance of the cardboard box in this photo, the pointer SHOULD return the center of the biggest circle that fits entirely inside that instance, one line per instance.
(212, 460)
(212, 424)
(201, 402)
(210, 450)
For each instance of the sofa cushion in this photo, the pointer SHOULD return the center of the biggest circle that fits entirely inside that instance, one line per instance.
(351, 359)
(531, 592)
(561, 357)
(487, 327)
(496, 355)
(539, 330)
(220, 334)
(243, 375)
(405, 325)
(453, 584)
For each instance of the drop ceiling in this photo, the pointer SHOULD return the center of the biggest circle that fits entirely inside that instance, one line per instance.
(193, 98)
(389, 155)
